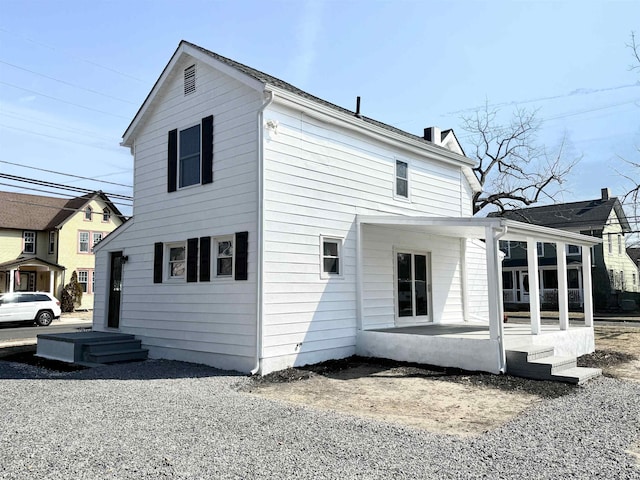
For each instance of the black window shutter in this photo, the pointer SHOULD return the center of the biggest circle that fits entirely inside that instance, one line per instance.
(205, 259)
(192, 260)
(157, 262)
(242, 256)
(207, 149)
(172, 165)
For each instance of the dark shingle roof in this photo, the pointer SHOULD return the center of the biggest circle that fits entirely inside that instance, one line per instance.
(589, 214)
(21, 211)
(276, 82)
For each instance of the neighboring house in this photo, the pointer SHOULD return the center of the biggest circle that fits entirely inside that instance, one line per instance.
(43, 240)
(634, 255)
(613, 271)
(272, 228)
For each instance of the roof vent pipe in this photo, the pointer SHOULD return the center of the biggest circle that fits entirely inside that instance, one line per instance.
(433, 135)
(606, 194)
(358, 108)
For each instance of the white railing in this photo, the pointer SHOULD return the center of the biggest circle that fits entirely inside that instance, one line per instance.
(547, 295)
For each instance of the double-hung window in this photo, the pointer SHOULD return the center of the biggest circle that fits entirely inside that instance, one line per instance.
(402, 179)
(177, 261)
(83, 280)
(52, 242)
(88, 212)
(190, 155)
(106, 215)
(331, 250)
(224, 256)
(29, 242)
(83, 242)
(97, 237)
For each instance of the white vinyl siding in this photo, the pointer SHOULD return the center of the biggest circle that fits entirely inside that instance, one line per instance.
(181, 320)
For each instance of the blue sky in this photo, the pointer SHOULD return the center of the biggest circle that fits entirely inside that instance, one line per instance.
(74, 73)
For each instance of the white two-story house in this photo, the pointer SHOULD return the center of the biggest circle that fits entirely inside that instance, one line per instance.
(272, 228)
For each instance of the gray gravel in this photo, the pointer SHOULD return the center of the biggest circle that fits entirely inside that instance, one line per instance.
(162, 419)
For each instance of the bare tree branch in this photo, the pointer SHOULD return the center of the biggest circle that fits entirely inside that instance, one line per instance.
(635, 52)
(513, 168)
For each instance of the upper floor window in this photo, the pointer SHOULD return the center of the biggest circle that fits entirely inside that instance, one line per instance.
(402, 179)
(88, 212)
(620, 244)
(190, 156)
(505, 247)
(52, 242)
(29, 242)
(83, 242)
(610, 242)
(97, 238)
(106, 215)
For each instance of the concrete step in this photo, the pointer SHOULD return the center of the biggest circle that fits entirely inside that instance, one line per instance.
(542, 366)
(112, 345)
(118, 356)
(529, 352)
(577, 375)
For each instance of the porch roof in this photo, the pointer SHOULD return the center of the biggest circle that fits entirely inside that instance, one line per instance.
(475, 227)
(30, 262)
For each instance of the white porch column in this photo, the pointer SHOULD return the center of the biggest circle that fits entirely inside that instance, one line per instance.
(563, 285)
(52, 275)
(587, 290)
(464, 281)
(534, 289)
(494, 282)
(12, 279)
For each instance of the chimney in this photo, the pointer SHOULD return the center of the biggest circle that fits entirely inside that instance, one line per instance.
(606, 194)
(433, 135)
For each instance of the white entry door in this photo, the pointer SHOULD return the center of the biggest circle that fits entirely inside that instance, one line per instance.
(413, 288)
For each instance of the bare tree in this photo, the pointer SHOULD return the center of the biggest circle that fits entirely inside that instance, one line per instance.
(635, 52)
(514, 168)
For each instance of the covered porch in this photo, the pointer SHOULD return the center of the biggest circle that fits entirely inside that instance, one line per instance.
(30, 274)
(473, 337)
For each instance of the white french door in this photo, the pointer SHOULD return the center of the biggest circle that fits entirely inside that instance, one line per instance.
(413, 287)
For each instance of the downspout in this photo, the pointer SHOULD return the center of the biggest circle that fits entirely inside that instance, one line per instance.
(503, 356)
(260, 230)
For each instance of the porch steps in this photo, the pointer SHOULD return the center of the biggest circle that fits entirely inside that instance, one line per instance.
(90, 348)
(540, 363)
(115, 350)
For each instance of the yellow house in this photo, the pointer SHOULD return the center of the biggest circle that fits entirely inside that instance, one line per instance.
(43, 240)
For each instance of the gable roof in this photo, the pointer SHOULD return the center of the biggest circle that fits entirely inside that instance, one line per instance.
(264, 80)
(22, 211)
(588, 214)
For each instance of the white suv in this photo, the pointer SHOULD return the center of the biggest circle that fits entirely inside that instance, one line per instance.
(41, 307)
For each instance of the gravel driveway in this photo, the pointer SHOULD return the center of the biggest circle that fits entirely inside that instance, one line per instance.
(163, 419)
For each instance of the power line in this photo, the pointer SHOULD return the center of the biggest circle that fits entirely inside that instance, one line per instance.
(44, 183)
(63, 101)
(67, 83)
(66, 174)
(62, 139)
(91, 62)
(76, 131)
(49, 206)
(56, 193)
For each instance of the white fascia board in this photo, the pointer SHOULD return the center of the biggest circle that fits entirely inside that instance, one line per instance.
(475, 226)
(330, 115)
(200, 56)
(471, 178)
(113, 234)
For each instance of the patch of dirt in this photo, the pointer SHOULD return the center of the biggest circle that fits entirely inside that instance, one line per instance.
(438, 399)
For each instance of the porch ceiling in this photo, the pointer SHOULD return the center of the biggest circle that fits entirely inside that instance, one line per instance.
(472, 227)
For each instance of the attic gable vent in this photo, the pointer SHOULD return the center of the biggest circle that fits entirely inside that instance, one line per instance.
(190, 79)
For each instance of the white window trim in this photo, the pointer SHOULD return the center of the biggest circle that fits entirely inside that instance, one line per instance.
(88, 282)
(52, 242)
(579, 252)
(216, 242)
(88, 250)
(540, 249)
(620, 244)
(340, 242)
(610, 243)
(180, 130)
(24, 241)
(93, 239)
(167, 262)
(395, 180)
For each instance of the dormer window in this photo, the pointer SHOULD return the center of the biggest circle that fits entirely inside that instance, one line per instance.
(87, 213)
(106, 215)
(190, 80)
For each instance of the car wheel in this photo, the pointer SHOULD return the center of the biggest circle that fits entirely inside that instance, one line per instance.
(44, 318)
